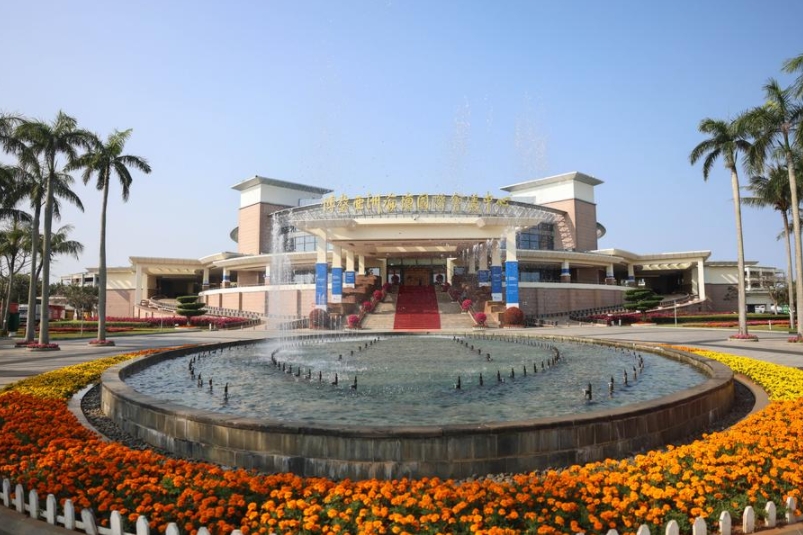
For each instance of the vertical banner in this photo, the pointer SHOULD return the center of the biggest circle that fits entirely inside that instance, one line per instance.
(337, 285)
(484, 277)
(496, 283)
(512, 280)
(320, 285)
(350, 279)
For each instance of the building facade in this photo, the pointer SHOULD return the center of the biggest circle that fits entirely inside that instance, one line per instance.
(533, 246)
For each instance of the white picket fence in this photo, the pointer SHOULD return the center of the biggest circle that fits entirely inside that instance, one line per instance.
(88, 524)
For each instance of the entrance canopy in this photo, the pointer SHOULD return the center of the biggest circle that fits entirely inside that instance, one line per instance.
(415, 225)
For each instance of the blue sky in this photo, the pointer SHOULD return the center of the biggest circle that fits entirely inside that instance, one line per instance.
(402, 97)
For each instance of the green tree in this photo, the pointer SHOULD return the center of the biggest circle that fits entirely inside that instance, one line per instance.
(107, 161)
(14, 251)
(772, 190)
(792, 66)
(49, 142)
(189, 307)
(726, 141)
(61, 245)
(641, 300)
(774, 127)
(81, 298)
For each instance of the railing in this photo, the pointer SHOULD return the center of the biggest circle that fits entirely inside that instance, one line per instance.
(88, 524)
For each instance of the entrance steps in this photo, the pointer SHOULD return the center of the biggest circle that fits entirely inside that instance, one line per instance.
(451, 317)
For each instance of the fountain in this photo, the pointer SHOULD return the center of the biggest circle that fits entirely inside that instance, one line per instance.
(390, 406)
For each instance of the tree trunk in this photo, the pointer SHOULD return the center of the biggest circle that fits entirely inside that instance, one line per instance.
(737, 208)
(102, 267)
(30, 323)
(44, 323)
(7, 301)
(790, 276)
(796, 227)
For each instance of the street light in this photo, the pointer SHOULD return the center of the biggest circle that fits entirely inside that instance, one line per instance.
(676, 314)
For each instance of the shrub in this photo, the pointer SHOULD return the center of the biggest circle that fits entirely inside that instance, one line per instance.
(466, 304)
(353, 321)
(513, 316)
(480, 318)
(378, 295)
(318, 319)
(367, 306)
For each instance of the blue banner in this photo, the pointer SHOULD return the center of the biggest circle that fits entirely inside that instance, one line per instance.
(496, 283)
(512, 280)
(321, 274)
(350, 278)
(484, 277)
(337, 285)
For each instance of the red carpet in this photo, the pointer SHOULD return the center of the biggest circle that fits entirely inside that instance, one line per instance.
(417, 308)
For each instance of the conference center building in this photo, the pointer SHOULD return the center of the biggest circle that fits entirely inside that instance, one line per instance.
(534, 246)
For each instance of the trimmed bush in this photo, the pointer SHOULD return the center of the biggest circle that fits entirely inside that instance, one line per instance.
(513, 316)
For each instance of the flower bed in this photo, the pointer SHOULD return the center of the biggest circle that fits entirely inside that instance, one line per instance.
(44, 448)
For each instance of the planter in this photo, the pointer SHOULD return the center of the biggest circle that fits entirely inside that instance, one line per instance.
(34, 348)
(752, 339)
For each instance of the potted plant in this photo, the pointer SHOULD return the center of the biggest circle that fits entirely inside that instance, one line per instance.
(466, 305)
(480, 318)
(353, 321)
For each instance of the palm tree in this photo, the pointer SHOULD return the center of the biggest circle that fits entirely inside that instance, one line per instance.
(106, 161)
(727, 141)
(34, 184)
(49, 141)
(773, 190)
(792, 66)
(60, 244)
(774, 127)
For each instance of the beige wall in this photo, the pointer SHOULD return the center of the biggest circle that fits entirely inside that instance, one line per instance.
(254, 228)
(254, 302)
(248, 278)
(119, 303)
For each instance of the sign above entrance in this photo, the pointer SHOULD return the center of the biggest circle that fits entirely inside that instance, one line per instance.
(392, 204)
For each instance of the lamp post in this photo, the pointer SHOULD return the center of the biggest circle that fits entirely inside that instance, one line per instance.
(676, 314)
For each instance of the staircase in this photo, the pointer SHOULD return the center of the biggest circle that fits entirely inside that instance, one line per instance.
(417, 308)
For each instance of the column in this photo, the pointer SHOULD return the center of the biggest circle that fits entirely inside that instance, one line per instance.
(700, 280)
(472, 261)
(610, 279)
(205, 283)
(361, 261)
(449, 269)
(138, 286)
(565, 273)
(383, 270)
(484, 274)
(267, 274)
(511, 270)
(496, 271)
(337, 274)
(350, 275)
(321, 273)
(631, 275)
(226, 279)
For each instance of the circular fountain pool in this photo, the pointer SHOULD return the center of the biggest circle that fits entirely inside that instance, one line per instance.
(412, 380)
(405, 417)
